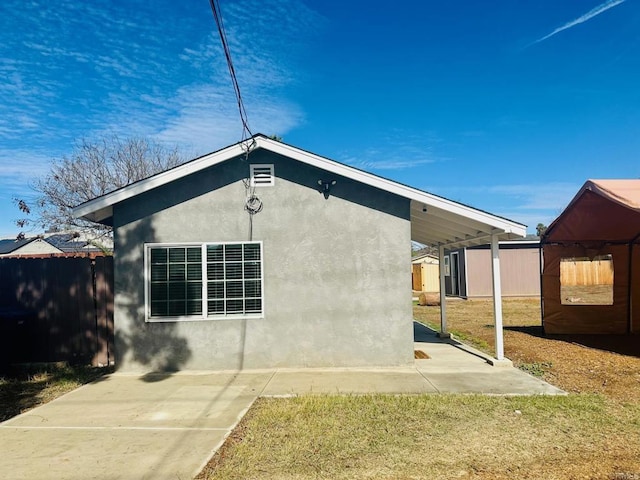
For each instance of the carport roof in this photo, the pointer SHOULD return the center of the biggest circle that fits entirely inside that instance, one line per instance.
(435, 220)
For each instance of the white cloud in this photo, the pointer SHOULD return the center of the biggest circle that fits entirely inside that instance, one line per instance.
(395, 150)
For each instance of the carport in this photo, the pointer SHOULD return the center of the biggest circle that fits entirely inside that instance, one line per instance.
(444, 224)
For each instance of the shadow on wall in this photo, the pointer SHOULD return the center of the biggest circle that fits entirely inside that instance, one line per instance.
(155, 346)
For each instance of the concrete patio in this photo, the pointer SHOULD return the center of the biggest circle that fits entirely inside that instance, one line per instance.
(167, 426)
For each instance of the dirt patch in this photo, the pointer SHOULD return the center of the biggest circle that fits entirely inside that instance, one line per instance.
(604, 364)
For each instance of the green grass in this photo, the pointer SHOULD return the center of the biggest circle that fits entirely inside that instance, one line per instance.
(431, 436)
(537, 369)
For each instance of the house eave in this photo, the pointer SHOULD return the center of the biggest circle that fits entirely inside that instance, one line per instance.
(445, 222)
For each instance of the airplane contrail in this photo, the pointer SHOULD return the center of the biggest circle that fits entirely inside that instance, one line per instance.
(587, 16)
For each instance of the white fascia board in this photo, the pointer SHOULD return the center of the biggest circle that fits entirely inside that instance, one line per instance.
(106, 201)
(100, 208)
(393, 187)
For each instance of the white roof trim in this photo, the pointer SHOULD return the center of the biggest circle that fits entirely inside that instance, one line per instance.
(482, 223)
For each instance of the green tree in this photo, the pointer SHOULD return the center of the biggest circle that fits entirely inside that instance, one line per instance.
(540, 229)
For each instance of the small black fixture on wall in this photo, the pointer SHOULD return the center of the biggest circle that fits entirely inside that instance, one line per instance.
(325, 187)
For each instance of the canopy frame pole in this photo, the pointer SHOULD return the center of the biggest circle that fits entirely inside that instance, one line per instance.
(497, 297)
(443, 295)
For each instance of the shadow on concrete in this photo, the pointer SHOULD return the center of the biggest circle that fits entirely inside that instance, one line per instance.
(628, 345)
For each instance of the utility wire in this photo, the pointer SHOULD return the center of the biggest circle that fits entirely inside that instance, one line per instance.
(217, 15)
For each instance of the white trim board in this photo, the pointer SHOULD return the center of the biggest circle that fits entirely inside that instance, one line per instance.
(445, 222)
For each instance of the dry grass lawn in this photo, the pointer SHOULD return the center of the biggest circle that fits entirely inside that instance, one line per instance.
(593, 433)
(604, 364)
(26, 389)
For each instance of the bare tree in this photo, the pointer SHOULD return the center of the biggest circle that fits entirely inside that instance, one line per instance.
(91, 170)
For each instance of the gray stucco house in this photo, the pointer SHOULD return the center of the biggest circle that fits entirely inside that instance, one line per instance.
(265, 255)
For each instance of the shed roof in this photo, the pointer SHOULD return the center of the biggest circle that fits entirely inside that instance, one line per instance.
(435, 220)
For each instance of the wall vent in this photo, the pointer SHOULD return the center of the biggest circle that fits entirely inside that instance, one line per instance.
(262, 175)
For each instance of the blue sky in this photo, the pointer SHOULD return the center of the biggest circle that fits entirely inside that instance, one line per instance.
(505, 105)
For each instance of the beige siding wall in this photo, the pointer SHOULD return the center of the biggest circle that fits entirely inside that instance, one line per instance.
(430, 279)
(519, 272)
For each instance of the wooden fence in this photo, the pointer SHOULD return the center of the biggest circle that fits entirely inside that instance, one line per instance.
(582, 272)
(56, 309)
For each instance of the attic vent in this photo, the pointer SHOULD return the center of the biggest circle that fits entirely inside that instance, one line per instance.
(262, 175)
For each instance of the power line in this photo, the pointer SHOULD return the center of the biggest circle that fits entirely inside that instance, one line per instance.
(217, 15)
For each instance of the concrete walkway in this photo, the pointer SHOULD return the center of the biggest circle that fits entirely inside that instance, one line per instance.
(167, 426)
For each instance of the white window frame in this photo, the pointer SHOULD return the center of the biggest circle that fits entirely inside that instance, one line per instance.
(204, 315)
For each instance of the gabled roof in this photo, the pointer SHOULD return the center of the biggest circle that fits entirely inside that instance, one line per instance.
(11, 245)
(435, 220)
(602, 211)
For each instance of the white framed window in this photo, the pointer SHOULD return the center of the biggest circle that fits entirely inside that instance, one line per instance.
(262, 175)
(200, 281)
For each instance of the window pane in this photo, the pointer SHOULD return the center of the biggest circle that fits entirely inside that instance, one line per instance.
(177, 290)
(214, 253)
(159, 292)
(215, 290)
(194, 308)
(252, 270)
(176, 255)
(194, 254)
(177, 308)
(194, 291)
(234, 289)
(177, 271)
(158, 255)
(233, 253)
(215, 306)
(253, 305)
(235, 306)
(215, 271)
(194, 271)
(234, 271)
(158, 273)
(252, 289)
(159, 309)
(584, 281)
(252, 251)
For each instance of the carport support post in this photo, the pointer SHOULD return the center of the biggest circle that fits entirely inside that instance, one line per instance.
(443, 295)
(497, 296)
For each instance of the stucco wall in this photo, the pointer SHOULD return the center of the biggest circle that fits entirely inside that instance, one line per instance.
(335, 272)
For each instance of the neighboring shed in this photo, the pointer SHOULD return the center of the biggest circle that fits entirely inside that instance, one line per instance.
(591, 274)
(26, 246)
(468, 270)
(213, 267)
(425, 273)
